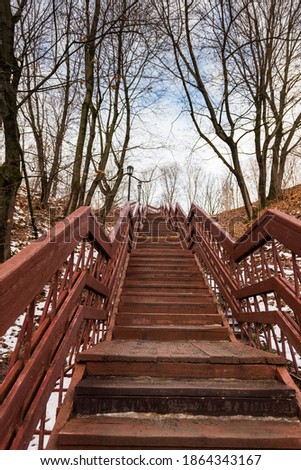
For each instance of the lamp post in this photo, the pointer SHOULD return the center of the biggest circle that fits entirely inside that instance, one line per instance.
(130, 171)
(139, 186)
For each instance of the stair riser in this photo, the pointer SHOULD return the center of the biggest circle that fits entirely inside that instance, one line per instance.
(182, 370)
(169, 335)
(207, 406)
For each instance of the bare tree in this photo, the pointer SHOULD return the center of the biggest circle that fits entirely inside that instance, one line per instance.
(264, 43)
(122, 89)
(203, 188)
(17, 40)
(48, 110)
(10, 73)
(149, 186)
(171, 183)
(186, 25)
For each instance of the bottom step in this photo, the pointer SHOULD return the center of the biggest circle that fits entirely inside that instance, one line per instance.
(150, 431)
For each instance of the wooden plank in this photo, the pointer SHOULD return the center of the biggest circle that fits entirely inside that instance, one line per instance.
(146, 351)
(219, 352)
(92, 313)
(182, 369)
(96, 286)
(257, 317)
(191, 433)
(172, 298)
(166, 319)
(167, 307)
(171, 332)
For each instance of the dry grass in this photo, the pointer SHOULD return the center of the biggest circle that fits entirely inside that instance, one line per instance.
(236, 222)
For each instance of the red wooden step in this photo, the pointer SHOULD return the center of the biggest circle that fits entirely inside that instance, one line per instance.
(175, 245)
(172, 332)
(160, 261)
(163, 268)
(161, 290)
(214, 397)
(194, 359)
(161, 253)
(128, 319)
(168, 307)
(169, 284)
(165, 275)
(169, 298)
(172, 432)
(166, 296)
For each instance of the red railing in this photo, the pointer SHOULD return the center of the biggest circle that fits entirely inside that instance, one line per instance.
(61, 291)
(256, 278)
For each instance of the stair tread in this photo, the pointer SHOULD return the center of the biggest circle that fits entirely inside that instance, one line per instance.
(178, 351)
(138, 431)
(175, 327)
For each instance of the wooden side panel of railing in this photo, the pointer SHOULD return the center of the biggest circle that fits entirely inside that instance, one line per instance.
(77, 267)
(40, 260)
(249, 273)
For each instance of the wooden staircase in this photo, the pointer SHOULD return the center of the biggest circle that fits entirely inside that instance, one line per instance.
(172, 377)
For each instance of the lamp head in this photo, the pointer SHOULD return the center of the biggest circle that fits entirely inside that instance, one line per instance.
(130, 170)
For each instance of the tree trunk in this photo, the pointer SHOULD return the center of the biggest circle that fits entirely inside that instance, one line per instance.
(82, 192)
(275, 190)
(89, 82)
(237, 172)
(10, 174)
(110, 197)
(10, 179)
(262, 185)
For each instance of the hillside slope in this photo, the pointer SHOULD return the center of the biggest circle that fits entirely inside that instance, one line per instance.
(236, 222)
